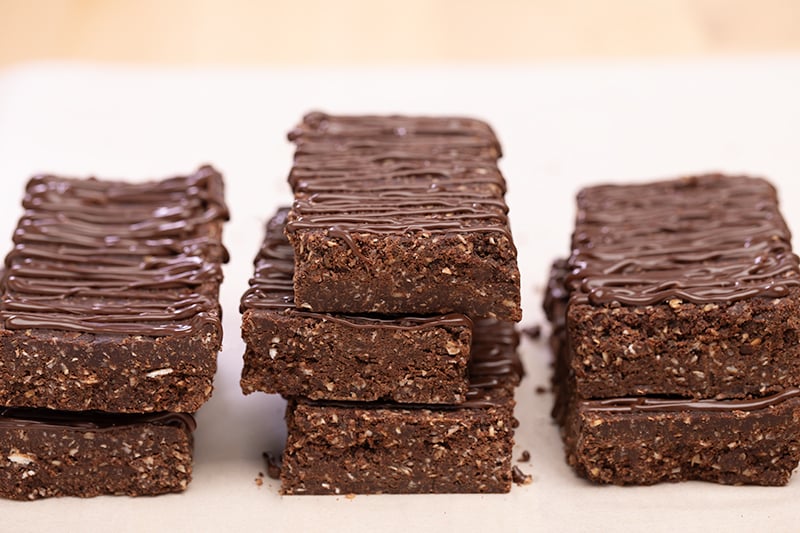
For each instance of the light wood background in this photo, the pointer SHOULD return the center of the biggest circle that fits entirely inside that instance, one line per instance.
(337, 32)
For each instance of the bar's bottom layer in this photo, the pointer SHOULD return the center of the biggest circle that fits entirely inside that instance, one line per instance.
(338, 449)
(756, 444)
(60, 455)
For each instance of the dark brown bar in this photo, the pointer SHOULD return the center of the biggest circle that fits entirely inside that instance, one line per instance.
(401, 215)
(110, 297)
(686, 287)
(644, 441)
(47, 453)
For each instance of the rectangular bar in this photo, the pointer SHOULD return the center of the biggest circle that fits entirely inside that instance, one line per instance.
(401, 215)
(684, 288)
(344, 357)
(110, 295)
(46, 453)
(644, 441)
(360, 448)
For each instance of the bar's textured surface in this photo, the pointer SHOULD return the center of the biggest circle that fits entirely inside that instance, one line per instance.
(110, 295)
(342, 448)
(675, 332)
(401, 215)
(56, 453)
(343, 357)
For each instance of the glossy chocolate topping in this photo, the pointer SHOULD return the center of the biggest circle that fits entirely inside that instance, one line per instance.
(702, 239)
(22, 418)
(272, 287)
(494, 361)
(645, 404)
(111, 257)
(393, 174)
(370, 130)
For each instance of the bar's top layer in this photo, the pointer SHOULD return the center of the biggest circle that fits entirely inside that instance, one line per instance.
(271, 287)
(702, 239)
(320, 132)
(111, 257)
(396, 174)
(24, 418)
(494, 370)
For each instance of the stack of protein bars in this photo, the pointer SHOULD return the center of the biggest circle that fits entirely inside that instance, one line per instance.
(676, 323)
(110, 332)
(387, 316)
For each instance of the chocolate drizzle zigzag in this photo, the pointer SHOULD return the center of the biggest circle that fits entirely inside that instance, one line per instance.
(705, 239)
(396, 175)
(322, 132)
(110, 257)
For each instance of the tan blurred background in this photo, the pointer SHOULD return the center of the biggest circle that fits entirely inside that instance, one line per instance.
(319, 32)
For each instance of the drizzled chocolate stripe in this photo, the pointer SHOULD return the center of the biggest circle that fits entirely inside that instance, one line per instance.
(271, 287)
(371, 130)
(111, 257)
(23, 418)
(645, 404)
(494, 361)
(357, 176)
(703, 239)
(396, 174)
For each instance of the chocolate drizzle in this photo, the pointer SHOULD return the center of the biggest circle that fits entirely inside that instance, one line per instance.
(494, 361)
(705, 239)
(650, 404)
(393, 174)
(271, 287)
(110, 257)
(351, 132)
(23, 418)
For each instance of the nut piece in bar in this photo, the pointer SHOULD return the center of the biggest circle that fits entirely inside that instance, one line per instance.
(110, 295)
(85, 454)
(401, 215)
(363, 448)
(674, 330)
(343, 357)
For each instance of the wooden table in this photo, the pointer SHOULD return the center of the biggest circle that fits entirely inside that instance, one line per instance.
(336, 32)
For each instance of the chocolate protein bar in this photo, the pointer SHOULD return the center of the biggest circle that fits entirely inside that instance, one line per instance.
(401, 215)
(110, 295)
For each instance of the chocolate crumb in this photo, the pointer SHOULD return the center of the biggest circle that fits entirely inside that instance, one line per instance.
(525, 457)
(273, 465)
(533, 332)
(259, 481)
(520, 477)
(541, 389)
